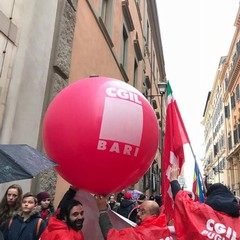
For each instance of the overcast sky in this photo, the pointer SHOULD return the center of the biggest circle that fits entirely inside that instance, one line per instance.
(195, 35)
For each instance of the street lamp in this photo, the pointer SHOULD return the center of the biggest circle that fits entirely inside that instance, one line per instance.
(162, 89)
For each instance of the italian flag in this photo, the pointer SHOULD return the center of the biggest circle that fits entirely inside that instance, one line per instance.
(173, 153)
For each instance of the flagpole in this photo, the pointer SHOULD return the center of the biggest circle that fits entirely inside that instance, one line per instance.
(194, 156)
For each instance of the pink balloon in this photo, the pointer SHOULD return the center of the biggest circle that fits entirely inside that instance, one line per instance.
(102, 132)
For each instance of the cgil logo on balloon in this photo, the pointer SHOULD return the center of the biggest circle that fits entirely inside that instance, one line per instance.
(122, 122)
(98, 129)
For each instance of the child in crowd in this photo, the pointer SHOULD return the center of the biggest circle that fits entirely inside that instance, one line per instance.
(47, 209)
(27, 223)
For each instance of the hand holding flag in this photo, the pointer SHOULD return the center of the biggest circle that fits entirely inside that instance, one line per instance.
(175, 137)
(174, 173)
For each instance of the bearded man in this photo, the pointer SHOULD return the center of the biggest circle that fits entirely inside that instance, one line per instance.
(67, 224)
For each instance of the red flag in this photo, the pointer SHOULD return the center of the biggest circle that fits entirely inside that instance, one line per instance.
(173, 153)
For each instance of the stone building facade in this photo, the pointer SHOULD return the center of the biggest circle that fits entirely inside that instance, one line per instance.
(47, 45)
(222, 161)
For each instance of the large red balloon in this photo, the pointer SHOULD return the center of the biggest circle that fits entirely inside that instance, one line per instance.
(102, 132)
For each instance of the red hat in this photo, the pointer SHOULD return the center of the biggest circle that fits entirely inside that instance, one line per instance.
(127, 195)
(42, 195)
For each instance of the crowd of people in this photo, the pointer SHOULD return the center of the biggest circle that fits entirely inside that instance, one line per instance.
(33, 217)
(30, 217)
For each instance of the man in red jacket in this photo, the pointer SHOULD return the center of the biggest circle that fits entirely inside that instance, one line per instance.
(151, 225)
(67, 224)
(217, 218)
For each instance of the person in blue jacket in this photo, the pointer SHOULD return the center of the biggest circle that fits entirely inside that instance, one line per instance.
(27, 223)
(126, 205)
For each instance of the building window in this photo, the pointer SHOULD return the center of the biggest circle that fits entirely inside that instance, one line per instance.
(226, 110)
(238, 47)
(147, 35)
(222, 142)
(135, 77)
(233, 103)
(124, 47)
(235, 136)
(127, 15)
(138, 2)
(229, 143)
(237, 93)
(146, 183)
(106, 13)
(153, 64)
(215, 148)
(226, 81)
(238, 130)
(138, 6)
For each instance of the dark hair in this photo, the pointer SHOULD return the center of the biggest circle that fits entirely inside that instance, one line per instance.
(28, 194)
(67, 207)
(151, 197)
(158, 200)
(221, 199)
(5, 209)
(141, 198)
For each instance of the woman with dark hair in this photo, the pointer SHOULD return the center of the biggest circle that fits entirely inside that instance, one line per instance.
(10, 204)
(44, 201)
